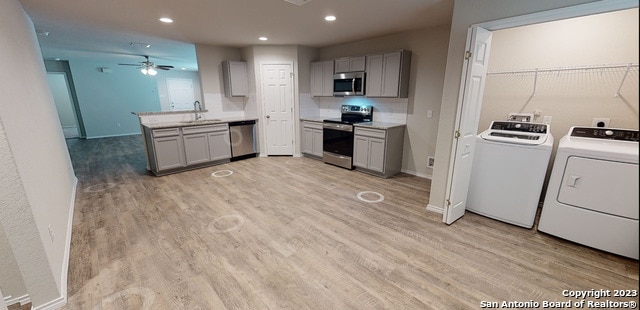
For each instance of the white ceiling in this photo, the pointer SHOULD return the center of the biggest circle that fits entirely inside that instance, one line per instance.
(105, 28)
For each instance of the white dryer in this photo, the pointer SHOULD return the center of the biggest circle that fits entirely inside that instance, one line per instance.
(509, 166)
(592, 196)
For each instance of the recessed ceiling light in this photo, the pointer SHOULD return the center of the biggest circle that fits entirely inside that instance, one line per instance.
(140, 44)
(329, 18)
(263, 38)
(166, 20)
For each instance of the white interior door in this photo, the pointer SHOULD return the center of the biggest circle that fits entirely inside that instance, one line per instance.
(180, 94)
(277, 98)
(476, 64)
(61, 93)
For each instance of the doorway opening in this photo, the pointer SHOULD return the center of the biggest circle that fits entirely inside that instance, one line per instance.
(467, 115)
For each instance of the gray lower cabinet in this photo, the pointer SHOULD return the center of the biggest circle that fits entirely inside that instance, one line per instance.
(219, 144)
(168, 150)
(378, 151)
(312, 139)
(182, 148)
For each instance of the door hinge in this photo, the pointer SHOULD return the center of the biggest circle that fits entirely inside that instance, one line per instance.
(456, 134)
(467, 55)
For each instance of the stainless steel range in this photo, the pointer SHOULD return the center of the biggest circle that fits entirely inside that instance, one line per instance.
(337, 135)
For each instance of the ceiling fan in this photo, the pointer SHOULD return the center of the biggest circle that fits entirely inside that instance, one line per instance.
(148, 67)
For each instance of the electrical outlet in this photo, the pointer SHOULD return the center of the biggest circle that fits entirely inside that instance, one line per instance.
(600, 122)
(429, 113)
(118, 124)
(431, 161)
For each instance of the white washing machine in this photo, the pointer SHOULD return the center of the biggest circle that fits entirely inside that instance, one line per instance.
(592, 196)
(509, 167)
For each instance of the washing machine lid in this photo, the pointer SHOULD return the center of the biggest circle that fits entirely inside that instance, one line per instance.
(517, 132)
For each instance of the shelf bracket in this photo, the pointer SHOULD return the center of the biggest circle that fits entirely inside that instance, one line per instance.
(624, 77)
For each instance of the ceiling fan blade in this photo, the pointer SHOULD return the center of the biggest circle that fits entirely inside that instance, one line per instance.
(129, 64)
(164, 67)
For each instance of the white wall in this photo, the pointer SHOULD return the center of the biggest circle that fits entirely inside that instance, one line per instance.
(210, 60)
(106, 100)
(465, 14)
(38, 183)
(572, 98)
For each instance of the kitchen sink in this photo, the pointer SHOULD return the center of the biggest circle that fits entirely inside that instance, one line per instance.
(201, 121)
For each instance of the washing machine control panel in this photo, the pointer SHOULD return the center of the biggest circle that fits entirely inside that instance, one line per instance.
(605, 133)
(520, 126)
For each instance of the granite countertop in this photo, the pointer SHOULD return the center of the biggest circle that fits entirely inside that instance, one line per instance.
(379, 125)
(195, 123)
(312, 118)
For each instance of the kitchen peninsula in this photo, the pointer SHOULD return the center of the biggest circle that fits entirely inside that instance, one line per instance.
(179, 145)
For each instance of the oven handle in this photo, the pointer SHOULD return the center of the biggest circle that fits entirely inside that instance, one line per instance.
(341, 127)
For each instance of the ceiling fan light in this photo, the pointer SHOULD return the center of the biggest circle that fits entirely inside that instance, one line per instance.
(152, 71)
(144, 71)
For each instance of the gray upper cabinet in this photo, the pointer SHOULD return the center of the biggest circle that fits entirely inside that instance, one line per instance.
(388, 74)
(236, 80)
(350, 64)
(322, 78)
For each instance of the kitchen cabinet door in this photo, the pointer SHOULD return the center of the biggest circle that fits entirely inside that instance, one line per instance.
(196, 148)
(317, 142)
(219, 145)
(388, 74)
(312, 138)
(360, 151)
(322, 78)
(350, 64)
(169, 152)
(377, 149)
(307, 140)
(236, 80)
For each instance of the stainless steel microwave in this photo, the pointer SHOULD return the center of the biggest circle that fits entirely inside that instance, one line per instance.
(348, 84)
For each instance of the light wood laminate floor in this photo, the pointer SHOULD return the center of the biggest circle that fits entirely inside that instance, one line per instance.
(285, 232)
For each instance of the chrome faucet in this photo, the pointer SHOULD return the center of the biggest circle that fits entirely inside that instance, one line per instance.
(197, 107)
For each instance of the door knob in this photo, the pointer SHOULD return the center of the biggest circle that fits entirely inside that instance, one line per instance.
(268, 116)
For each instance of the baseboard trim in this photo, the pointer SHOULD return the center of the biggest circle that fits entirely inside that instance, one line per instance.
(22, 300)
(54, 304)
(435, 209)
(62, 300)
(418, 174)
(67, 249)
(112, 136)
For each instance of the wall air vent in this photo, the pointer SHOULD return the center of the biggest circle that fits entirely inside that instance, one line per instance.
(298, 2)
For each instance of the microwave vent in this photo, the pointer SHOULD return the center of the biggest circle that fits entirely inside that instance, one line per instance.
(298, 2)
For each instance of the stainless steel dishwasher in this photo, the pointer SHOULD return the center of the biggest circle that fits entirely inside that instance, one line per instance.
(243, 142)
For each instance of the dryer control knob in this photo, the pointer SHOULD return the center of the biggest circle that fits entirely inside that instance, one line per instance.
(609, 132)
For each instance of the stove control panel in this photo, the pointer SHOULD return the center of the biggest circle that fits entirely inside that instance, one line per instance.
(605, 133)
(357, 113)
(520, 126)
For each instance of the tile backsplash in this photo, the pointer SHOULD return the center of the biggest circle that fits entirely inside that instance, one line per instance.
(384, 110)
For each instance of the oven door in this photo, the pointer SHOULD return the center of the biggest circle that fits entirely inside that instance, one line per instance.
(337, 144)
